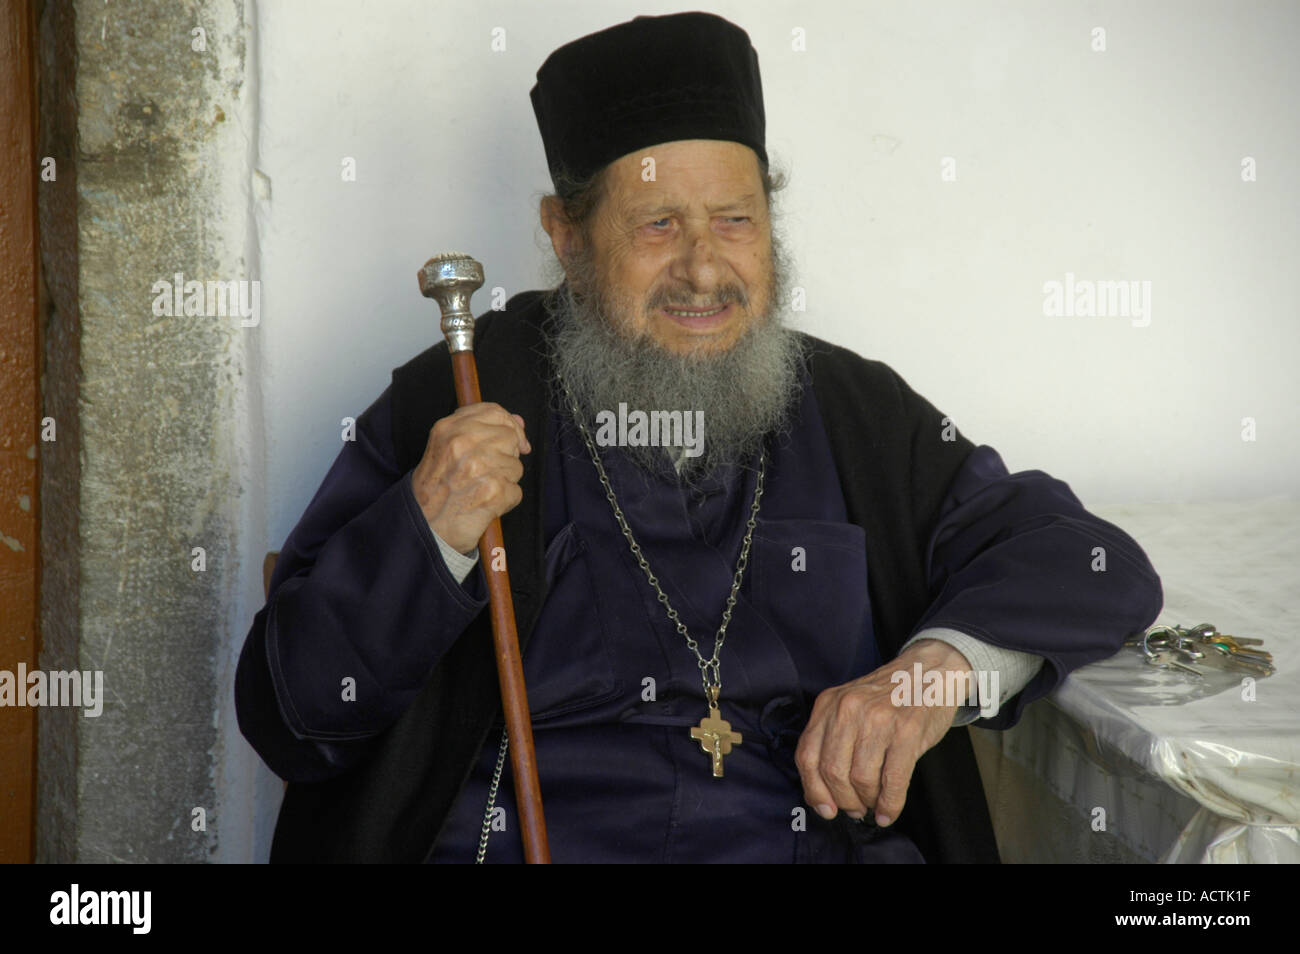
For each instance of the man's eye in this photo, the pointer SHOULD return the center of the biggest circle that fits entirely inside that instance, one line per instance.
(660, 223)
(738, 219)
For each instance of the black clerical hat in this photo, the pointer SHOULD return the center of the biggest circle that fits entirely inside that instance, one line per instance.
(647, 81)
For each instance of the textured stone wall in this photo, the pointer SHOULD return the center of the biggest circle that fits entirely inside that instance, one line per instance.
(164, 145)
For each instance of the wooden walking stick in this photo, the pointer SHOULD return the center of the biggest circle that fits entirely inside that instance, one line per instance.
(450, 280)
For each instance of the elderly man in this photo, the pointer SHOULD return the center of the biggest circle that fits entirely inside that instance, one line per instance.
(831, 540)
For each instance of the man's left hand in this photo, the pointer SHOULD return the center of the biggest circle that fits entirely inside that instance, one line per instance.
(859, 749)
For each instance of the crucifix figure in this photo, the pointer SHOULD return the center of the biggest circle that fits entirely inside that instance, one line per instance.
(714, 734)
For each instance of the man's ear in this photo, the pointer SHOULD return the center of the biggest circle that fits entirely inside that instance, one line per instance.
(563, 234)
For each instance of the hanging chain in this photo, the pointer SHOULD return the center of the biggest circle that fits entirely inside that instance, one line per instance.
(492, 797)
(710, 671)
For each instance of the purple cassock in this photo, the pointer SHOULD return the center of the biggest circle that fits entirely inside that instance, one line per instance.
(613, 688)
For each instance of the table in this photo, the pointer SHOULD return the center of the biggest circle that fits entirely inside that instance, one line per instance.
(1127, 763)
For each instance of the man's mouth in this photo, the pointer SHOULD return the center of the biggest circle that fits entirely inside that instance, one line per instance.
(695, 312)
(697, 317)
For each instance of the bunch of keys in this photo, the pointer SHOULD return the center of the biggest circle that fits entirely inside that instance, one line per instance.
(1204, 647)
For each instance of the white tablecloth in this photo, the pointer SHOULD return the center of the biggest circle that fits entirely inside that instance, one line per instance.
(1127, 762)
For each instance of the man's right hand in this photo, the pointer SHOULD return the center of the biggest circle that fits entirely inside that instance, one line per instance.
(469, 474)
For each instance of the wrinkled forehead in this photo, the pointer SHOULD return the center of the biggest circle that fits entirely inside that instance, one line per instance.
(697, 173)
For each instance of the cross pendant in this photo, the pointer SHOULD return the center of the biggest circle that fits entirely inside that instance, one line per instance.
(715, 737)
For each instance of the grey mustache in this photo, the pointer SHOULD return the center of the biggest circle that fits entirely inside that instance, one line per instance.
(722, 297)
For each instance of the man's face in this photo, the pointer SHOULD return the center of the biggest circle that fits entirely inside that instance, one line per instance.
(685, 258)
(698, 239)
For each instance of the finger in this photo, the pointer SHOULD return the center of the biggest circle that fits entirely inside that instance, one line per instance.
(869, 755)
(807, 757)
(494, 417)
(895, 776)
(495, 497)
(474, 448)
(504, 440)
(525, 446)
(485, 411)
(506, 467)
(477, 478)
(837, 758)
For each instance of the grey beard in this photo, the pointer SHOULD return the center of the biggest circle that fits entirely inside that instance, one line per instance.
(745, 392)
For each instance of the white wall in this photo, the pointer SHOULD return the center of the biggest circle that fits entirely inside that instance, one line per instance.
(1115, 165)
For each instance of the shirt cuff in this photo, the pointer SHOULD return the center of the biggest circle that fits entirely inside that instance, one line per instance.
(458, 564)
(1015, 669)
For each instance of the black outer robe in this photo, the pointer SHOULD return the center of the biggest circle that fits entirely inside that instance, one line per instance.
(895, 469)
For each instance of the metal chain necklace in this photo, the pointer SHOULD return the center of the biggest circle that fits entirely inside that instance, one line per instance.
(713, 733)
(492, 798)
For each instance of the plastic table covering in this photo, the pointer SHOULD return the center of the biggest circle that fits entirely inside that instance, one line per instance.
(1129, 762)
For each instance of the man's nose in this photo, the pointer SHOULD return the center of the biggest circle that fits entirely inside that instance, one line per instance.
(698, 263)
